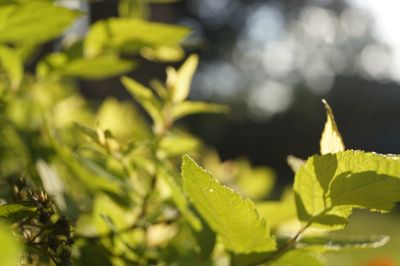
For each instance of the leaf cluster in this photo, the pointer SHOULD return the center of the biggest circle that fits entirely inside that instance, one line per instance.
(116, 183)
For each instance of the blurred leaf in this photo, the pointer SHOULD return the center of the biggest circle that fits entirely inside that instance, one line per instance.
(179, 198)
(338, 243)
(133, 9)
(33, 22)
(146, 98)
(14, 212)
(328, 187)
(97, 68)
(331, 141)
(163, 53)
(186, 108)
(178, 82)
(129, 35)
(10, 248)
(178, 143)
(278, 212)
(233, 218)
(299, 258)
(295, 163)
(122, 119)
(12, 65)
(254, 182)
(52, 183)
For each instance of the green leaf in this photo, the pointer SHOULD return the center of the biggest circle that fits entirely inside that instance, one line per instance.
(254, 182)
(290, 258)
(233, 218)
(328, 187)
(146, 98)
(179, 198)
(130, 35)
(187, 108)
(12, 65)
(298, 258)
(14, 212)
(34, 22)
(163, 53)
(178, 82)
(331, 141)
(10, 248)
(278, 212)
(333, 243)
(97, 68)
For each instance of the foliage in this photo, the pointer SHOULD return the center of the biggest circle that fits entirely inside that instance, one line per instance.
(101, 185)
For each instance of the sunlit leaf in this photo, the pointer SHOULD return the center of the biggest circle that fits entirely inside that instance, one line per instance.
(187, 108)
(178, 82)
(328, 187)
(233, 218)
(97, 68)
(130, 35)
(163, 53)
(34, 22)
(331, 141)
(145, 98)
(295, 163)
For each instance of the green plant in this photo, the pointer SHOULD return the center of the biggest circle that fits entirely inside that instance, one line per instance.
(101, 185)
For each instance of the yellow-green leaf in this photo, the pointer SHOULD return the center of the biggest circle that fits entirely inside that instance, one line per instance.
(178, 82)
(12, 65)
(130, 35)
(10, 248)
(331, 140)
(185, 108)
(328, 187)
(33, 22)
(232, 217)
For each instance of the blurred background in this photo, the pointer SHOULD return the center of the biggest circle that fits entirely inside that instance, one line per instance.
(273, 62)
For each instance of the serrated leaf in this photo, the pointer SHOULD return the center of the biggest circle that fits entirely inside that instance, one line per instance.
(33, 22)
(329, 186)
(178, 82)
(331, 140)
(332, 243)
(130, 35)
(233, 218)
(17, 211)
(187, 108)
(146, 98)
(12, 65)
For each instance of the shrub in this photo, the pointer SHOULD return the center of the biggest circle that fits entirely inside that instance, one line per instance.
(117, 185)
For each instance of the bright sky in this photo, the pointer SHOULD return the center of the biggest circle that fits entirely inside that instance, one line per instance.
(387, 20)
